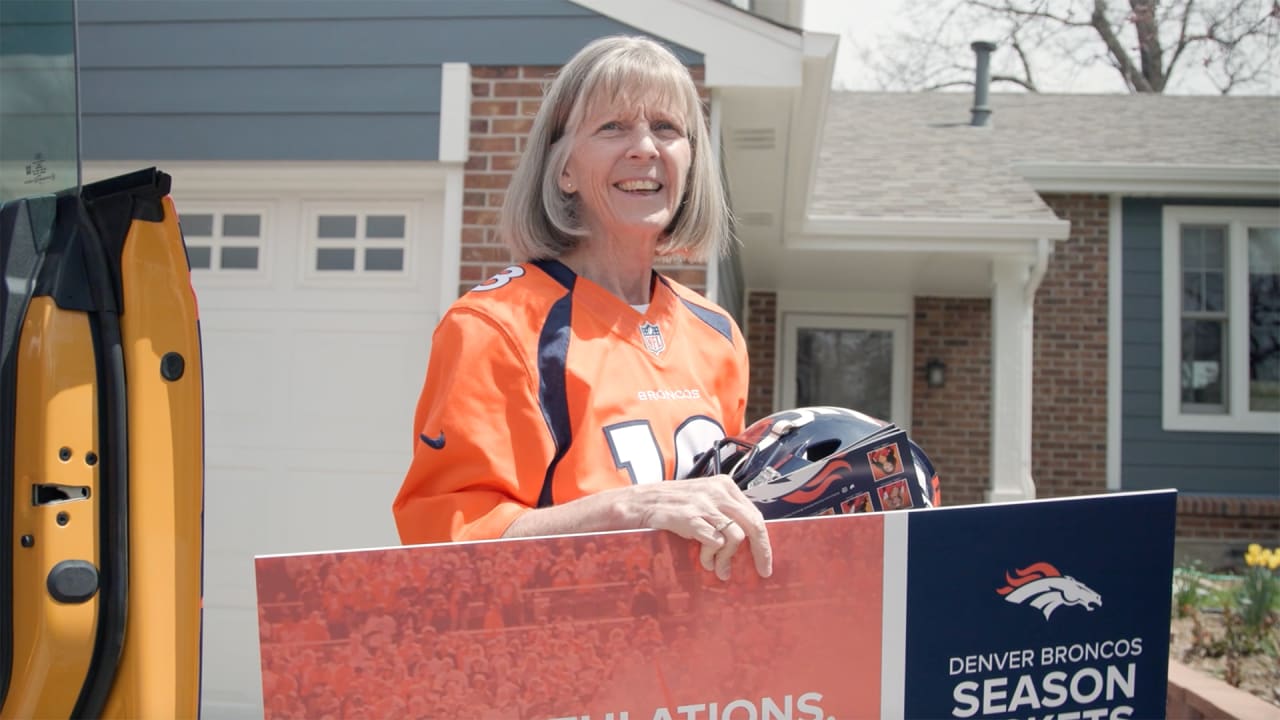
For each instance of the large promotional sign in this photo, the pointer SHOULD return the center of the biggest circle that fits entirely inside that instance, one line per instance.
(1054, 610)
(1045, 609)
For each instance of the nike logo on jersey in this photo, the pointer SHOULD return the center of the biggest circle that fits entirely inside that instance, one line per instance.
(436, 443)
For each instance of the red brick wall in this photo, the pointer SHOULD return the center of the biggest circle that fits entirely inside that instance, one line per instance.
(1069, 391)
(1244, 520)
(504, 100)
(761, 333)
(953, 423)
(1196, 695)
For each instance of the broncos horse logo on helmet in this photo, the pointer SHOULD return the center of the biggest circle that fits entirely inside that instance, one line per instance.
(823, 460)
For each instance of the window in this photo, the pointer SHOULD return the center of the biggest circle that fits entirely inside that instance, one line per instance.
(225, 240)
(38, 115)
(358, 243)
(1221, 330)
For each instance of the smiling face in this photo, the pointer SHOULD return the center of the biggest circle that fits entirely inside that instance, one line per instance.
(627, 166)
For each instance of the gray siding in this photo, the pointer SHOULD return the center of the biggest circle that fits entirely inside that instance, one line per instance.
(1192, 462)
(299, 79)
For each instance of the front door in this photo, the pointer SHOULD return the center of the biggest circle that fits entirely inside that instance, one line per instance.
(852, 361)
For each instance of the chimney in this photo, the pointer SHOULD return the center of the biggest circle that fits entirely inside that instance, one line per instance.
(982, 83)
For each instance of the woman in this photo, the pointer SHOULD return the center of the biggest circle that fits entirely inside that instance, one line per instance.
(563, 391)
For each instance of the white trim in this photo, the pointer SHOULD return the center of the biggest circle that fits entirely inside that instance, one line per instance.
(1238, 417)
(739, 49)
(250, 180)
(455, 112)
(451, 238)
(845, 303)
(713, 281)
(927, 234)
(1115, 337)
(893, 616)
(1153, 179)
(713, 264)
(900, 371)
(806, 122)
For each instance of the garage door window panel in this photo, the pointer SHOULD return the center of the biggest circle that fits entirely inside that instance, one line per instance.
(224, 240)
(359, 243)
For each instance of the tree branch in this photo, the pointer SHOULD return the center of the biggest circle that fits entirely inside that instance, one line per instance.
(1099, 22)
(1183, 41)
(1232, 44)
(1013, 79)
(1010, 9)
(1026, 65)
(1150, 53)
(1027, 84)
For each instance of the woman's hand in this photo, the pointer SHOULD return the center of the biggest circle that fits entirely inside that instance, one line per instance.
(712, 511)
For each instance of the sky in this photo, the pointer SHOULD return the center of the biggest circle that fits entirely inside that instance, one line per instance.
(866, 22)
(865, 19)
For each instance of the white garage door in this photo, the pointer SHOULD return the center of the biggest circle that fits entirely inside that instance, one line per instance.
(316, 316)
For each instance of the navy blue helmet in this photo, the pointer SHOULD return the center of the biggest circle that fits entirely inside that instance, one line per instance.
(824, 461)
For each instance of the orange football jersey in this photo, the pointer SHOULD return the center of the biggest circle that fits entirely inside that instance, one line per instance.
(544, 387)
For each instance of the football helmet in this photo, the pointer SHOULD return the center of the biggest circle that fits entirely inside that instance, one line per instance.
(824, 461)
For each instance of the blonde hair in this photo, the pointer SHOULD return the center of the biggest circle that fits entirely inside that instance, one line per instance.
(538, 219)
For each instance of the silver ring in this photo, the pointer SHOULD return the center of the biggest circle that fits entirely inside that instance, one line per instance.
(720, 528)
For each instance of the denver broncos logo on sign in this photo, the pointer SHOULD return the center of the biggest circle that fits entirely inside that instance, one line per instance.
(1044, 588)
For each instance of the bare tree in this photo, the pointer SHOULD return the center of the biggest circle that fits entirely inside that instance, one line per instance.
(1229, 45)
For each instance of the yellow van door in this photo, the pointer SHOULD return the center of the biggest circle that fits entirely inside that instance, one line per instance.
(101, 456)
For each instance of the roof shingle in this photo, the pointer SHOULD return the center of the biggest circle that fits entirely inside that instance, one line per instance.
(914, 155)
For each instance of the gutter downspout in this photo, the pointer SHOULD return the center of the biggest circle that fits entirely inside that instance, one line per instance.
(1044, 248)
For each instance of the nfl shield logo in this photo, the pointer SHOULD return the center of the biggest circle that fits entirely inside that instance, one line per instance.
(652, 335)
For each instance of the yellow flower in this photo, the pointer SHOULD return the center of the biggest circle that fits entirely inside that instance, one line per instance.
(1258, 556)
(1254, 555)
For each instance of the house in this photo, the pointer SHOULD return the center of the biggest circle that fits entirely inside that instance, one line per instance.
(338, 168)
(1128, 189)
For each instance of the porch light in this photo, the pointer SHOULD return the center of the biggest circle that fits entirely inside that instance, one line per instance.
(935, 373)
